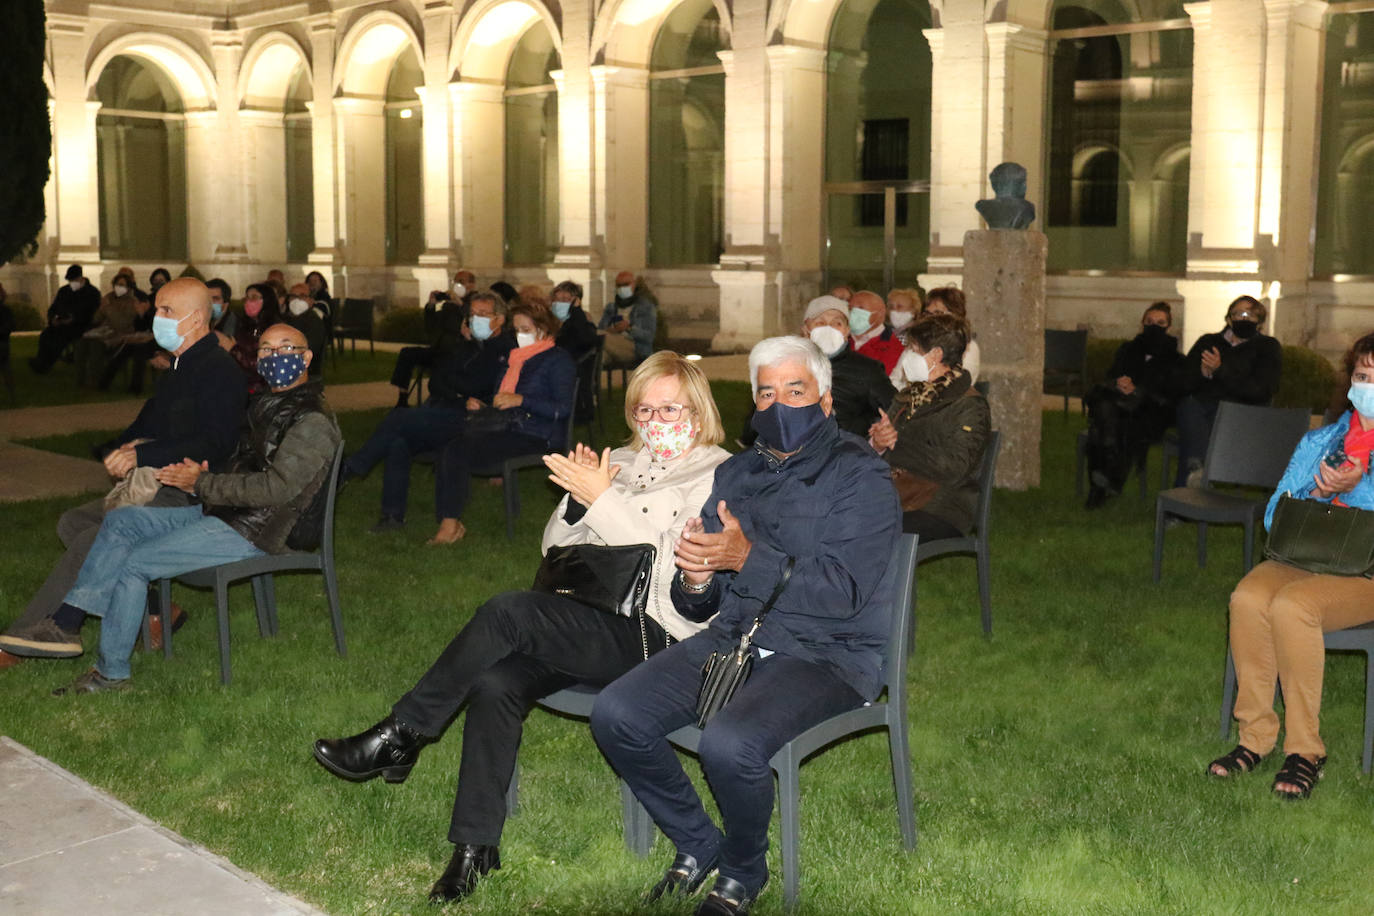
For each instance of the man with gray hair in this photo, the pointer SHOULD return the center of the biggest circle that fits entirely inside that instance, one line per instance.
(808, 514)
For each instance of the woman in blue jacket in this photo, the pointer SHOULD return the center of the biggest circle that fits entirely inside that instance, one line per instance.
(528, 414)
(1279, 612)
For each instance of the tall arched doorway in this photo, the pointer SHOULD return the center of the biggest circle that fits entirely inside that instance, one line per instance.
(405, 188)
(531, 179)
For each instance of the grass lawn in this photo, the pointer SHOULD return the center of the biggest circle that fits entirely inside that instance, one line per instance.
(59, 386)
(1058, 766)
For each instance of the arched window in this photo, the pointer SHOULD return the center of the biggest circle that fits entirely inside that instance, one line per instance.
(141, 163)
(532, 235)
(1345, 197)
(405, 186)
(300, 168)
(1120, 91)
(687, 138)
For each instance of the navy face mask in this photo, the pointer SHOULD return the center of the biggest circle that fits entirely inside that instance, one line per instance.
(788, 428)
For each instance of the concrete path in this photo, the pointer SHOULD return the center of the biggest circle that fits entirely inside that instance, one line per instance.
(66, 847)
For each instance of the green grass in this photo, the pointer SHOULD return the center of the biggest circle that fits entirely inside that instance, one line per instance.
(59, 385)
(1058, 765)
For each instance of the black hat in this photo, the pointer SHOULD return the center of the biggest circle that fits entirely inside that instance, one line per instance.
(74, 271)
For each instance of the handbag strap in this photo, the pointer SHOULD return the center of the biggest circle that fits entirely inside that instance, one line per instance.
(748, 638)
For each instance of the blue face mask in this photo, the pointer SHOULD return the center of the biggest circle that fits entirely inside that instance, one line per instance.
(281, 369)
(1361, 394)
(480, 326)
(216, 310)
(788, 428)
(165, 332)
(561, 310)
(859, 320)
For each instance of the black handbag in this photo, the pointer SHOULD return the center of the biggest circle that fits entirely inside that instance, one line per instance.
(614, 580)
(1322, 538)
(725, 671)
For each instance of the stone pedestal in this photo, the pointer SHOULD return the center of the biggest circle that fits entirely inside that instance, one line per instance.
(1004, 282)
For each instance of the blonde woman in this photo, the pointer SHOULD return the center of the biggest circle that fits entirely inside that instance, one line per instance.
(523, 645)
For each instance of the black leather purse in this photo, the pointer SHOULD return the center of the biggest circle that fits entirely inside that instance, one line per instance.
(1322, 538)
(614, 580)
(724, 672)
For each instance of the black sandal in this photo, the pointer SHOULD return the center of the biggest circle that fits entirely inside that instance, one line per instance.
(1298, 771)
(1240, 760)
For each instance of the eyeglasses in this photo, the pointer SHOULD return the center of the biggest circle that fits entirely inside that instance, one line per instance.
(283, 350)
(668, 413)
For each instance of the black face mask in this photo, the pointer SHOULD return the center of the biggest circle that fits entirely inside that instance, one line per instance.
(1154, 334)
(1244, 329)
(788, 428)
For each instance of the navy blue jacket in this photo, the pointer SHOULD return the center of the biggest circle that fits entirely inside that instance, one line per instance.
(832, 506)
(546, 384)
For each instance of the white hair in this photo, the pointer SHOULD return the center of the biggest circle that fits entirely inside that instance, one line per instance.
(776, 351)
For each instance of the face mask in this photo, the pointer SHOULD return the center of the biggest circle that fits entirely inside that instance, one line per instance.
(667, 441)
(480, 325)
(216, 310)
(828, 339)
(1361, 395)
(788, 428)
(460, 290)
(298, 306)
(252, 308)
(281, 369)
(1244, 329)
(915, 367)
(121, 290)
(75, 285)
(523, 339)
(859, 320)
(165, 332)
(561, 310)
(624, 292)
(900, 319)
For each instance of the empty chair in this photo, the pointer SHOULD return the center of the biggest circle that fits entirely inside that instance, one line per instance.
(975, 542)
(1066, 361)
(1250, 446)
(355, 320)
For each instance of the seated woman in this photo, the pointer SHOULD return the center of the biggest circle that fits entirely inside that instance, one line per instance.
(524, 645)
(948, 300)
(261, 310)
(529, 413)
(935, 432)
(1279, 612)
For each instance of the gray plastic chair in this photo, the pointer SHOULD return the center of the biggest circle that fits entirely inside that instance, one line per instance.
(1066, 361)
(509, 470)
(1250, 446)
(260, 570)
(977, 542)
(1354, 639)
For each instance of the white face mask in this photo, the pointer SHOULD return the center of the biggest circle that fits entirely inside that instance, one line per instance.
(900, 319)
(298, 306)
(624, 292)
(74, 284)
(121, 290)
(523, 339)
(828, 339)
(460, 290)
(915, 367)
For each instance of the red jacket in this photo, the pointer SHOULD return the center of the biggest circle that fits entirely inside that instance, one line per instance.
(886, 348)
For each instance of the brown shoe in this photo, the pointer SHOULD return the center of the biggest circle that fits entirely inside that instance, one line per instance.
(7, 660)
(155, 625)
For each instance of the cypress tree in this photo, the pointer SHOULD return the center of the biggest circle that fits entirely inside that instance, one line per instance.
(25, 134)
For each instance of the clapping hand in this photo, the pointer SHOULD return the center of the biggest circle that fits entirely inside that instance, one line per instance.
(584, 481)
(183, 476)
(882, 435)
(1211, 361)
(700, 555)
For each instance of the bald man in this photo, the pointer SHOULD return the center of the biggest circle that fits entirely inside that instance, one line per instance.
(629, 321)
(195, 412)
(870, 334)
(266, 502)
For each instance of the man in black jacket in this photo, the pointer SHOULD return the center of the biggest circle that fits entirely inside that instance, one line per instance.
(1238, 363)
(68, 318)
(281, 461)
(445, 313)
(194, 413)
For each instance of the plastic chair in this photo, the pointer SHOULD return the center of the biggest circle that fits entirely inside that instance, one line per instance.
(1354, 639)
(261, 570)
(1066, 360)
(1250, 446)
(1081, 466)
(977, 542)
(509, 469)
(355, 320)
(588, 407)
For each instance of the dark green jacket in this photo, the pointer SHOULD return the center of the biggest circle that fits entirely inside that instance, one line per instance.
(943, 442)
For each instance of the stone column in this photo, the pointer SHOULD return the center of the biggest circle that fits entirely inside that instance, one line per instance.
(1004, 280)
(77, 216)
(226, 233)
(205, 168)
(325, 150)
(620, 118)
(362, 165)
(579, 206)
(480, 114)
(264, 170)
(436, 262)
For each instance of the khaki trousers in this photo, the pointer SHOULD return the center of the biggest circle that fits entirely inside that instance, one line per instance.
(619, 350)
(1278, 615)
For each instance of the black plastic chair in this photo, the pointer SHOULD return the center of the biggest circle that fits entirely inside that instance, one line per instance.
(1250, 446)
(1081, 466)
(975, 543)
(1066, 362)
(355, 320)
(1354, 639)
(588, 401)
(509, 469)
(261, 570)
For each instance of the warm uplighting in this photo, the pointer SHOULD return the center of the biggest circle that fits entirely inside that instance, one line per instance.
(502, 22)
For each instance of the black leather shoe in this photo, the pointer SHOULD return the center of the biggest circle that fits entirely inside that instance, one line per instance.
(469, 863)
(387, 749)
(728, 898)
(682, 878)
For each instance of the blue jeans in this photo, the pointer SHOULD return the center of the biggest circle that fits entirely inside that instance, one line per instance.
(782, 698)
(136, 545)
(397, 439)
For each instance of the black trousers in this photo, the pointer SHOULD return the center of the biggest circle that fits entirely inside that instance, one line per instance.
(520, 646)
(52, 341)
(407, 361)
(1120, 429)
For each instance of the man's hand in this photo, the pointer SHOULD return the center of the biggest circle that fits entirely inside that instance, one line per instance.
(882, 435)
(1211, 361)
(474, 404)
(621, 325)
(162, 361)
(1125, 385)
(121, 461)
(585, 484)
(699, 555)
(1329, 481)
(182, 476)
(507, 399)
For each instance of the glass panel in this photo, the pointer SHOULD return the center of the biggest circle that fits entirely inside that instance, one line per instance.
(1345, 197)
(532, 231)
(854, 247)
(405, 205)
(300, 190)
(689, 37)
(140, 165)
(1119, 125)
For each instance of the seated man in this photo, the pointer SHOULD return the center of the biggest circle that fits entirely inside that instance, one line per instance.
(281, 462)
(872, 335)
(69, 317)
(467, 373)
(809, 499)
(630, 321)
(304, 317)
(576, 334)
(445, 313)
(195, 412)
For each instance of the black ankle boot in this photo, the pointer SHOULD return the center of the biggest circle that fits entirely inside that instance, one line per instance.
(469, 863)
(388, 749)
